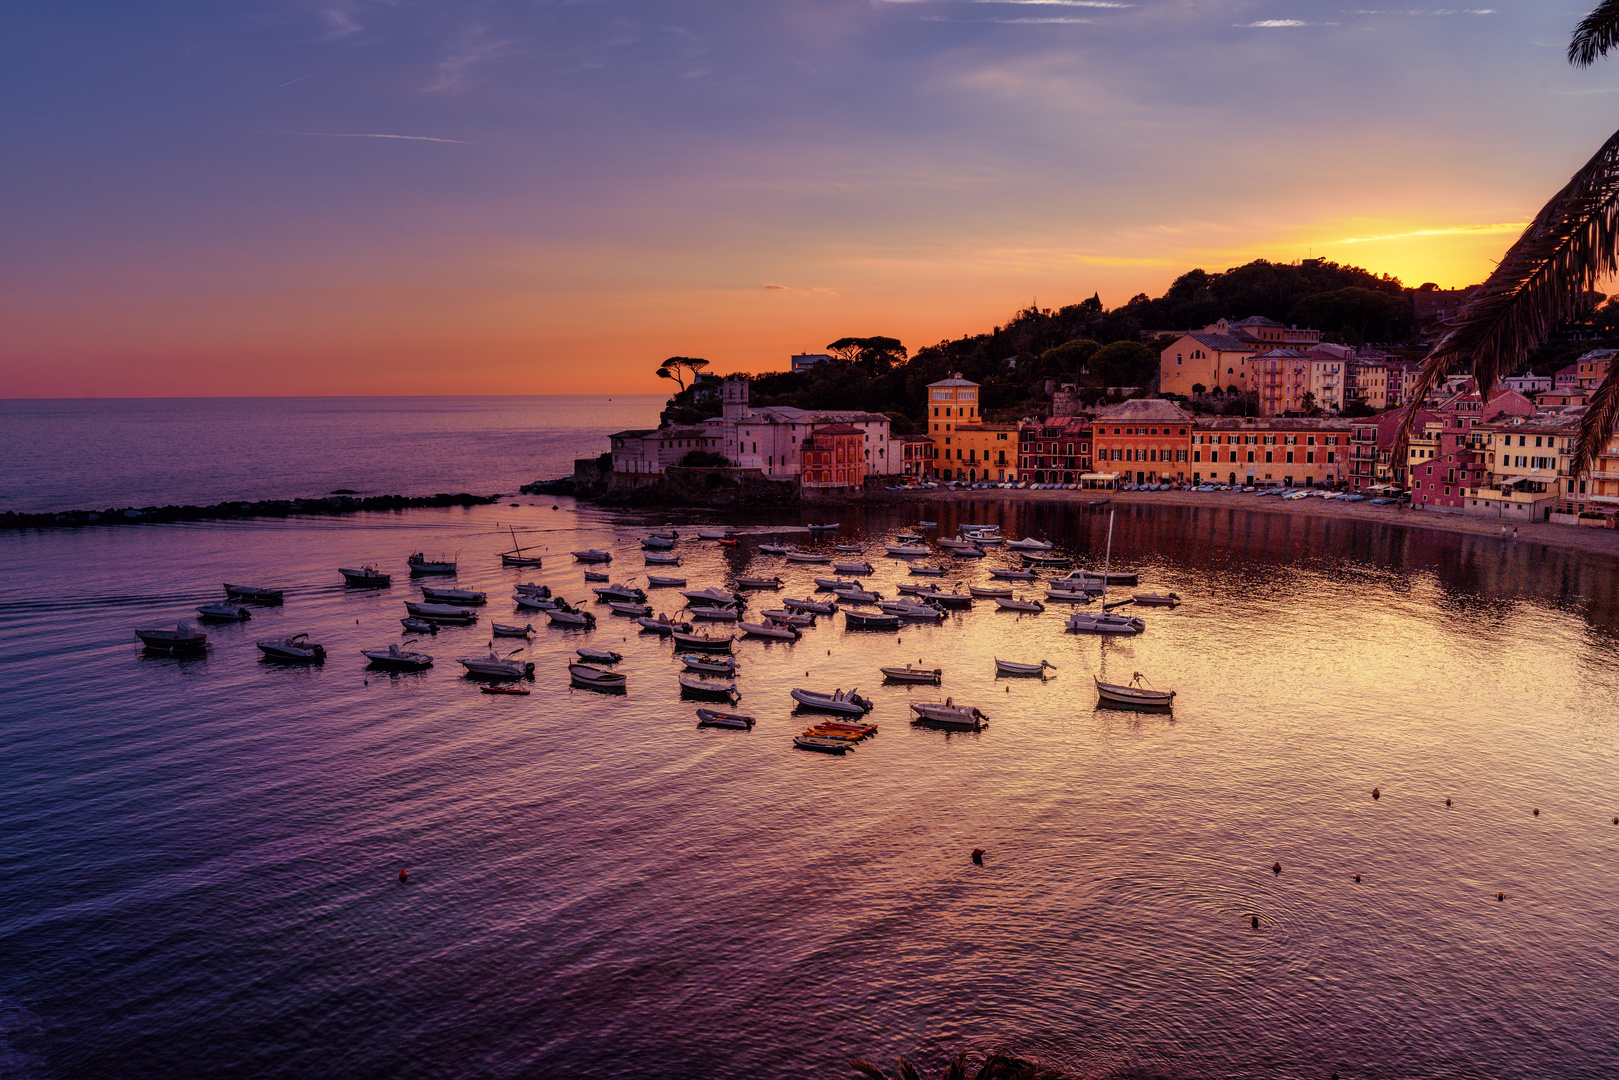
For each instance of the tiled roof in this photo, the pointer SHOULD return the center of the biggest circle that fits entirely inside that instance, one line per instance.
(1275, 423)
(1148, 409)
(1223, 342)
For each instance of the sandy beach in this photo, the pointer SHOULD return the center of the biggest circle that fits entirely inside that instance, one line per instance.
(1572, 537)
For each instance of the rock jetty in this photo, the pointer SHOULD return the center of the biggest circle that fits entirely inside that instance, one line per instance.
(331, 505)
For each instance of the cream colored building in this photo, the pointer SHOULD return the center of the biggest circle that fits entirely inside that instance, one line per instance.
(1210, 360)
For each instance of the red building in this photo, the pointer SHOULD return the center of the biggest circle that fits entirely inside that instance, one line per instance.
(1055, 451)
(1144, 441)
(832, 457)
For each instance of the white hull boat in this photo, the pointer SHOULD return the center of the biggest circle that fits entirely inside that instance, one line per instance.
(224, 611)
(441, 612)
(702, 642)
(1070, 596)
(1008, 667)
(572, 620)
(1104, 622)
(948, 715)
(773, 631)
(989, 592)
(985, 539)
(366, 577)
(598, 656)
(413, 625)
(758, 583)
(1134, 695)
(634, 611)
(907, 609)
(1032, 607)
(663, 625)
(533, 603)
(959, 545)
(253, 594)
(656, 543)
(393, 658)
(807, 557)
(714, 534)
(501, 629)
(533, 588)
(652, 558)
(709, 665)
(859, 596)
(821, 746)
(453, 596)
(906, 551)
(835, 584)
(713, 614)
(693, 684)
(870, 620)
(852, 567)
(594, 678)
(830, 526)
(1028, 544)
(775, 549)
(810, 605)
(182, 638)
(297, 649)
(1152, 599)
(789, 618)
(496, 667)
(619, 592)
(715, 718)
(662, 582)
(713, 597)
(1012, 574)
(421, 566)
(928, 571)
(592, 556)
(909, 674)
(843, 702)
(846, 549)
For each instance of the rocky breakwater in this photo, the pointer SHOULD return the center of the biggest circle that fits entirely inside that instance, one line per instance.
(334, 504)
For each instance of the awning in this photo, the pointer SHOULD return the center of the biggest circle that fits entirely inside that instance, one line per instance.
(1099, 476)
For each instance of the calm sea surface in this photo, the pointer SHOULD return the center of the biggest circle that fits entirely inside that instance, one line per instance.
(199, 858)
(90, 455)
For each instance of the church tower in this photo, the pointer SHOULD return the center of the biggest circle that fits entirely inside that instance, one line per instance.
(734, 405)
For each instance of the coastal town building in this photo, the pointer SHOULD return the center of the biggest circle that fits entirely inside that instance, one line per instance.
(1528, 384)
(771, 438)
(1592, 368)
(1528, 461)
(916, 455)
(1272, 451)
(1366, 381)
(1054, 451)
(1327, 380)
(833, 457)
(1373, 467)
(1566, 378)
(991, 451)
(805, 361)
(1144, 441)
(1593, 498)
(1201, 361)
(951, 403)
(1282, 378)
(648, 451)
(1447, 458)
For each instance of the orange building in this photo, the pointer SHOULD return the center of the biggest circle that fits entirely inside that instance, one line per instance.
(833, 456)
(1144, 441)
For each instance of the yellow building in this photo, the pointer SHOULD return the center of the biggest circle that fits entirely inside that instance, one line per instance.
(951, 403)
(985, 452)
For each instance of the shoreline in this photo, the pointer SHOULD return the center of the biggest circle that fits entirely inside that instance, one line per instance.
(330, 505)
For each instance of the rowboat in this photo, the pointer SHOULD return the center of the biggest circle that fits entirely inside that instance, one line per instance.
(253, 594)
(183, 638)
(223, 611)
(1031, 558)
(912, 609)
(420, 565)
(846, 702)
(928, 571)
(758, 583)
(964, 529)
(907, 538)
(297, 649)
(501, 629)
(496, 667)
(715, 718)
(599, 656)
(656, 543)
(663, 624)
(959, 545)
(571, 620)
(852, 567)
(453, 596)
(1152, 599)
(846, 549)
(906, 551)
(633, 610)
(990, 592)
(1133, 694)
(1028, 543)
(653, 558)
(1009, 573)
(594, 678)
(708, 665)
(908, 674)
(870, 620)
(593, 576)
(816, 526)
(835, 584)
(592, 556)
(775, 549)
(702, 642)
(619, 591)
(520, 691)
(808, 557)
(772, 630)
(859, 596)
(393, 658)
(844, 729)
(789, 618)
(445, 613)
(1008, 667)
(821, 745)
(948, 715)
(414, 625)
(712, 614)
(366, 577)
(958, 600)
(987, 539)
(692, 684)
(1033, 607)
(661, 581)
(811, 605)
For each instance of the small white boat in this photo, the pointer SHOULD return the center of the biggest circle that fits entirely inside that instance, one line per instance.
(1035, 558)
(448, 613)
(808, 557)
(571, 620)
(946, 714)
(819, 745)
(393, 658)
(619, 591)
(908, 538)
(816, 526)
(713, 597)
(957, 600)
(531, 602)
(1008, 667)
(912, 609)
(715, 718)
(1097, 579)
(1075, 585)
(852, 567)
(715, 534)
(708, 665)
(661, 581)
(365, 577)
(656, 543)
(810, 605)
(666, 532)
(928, 571)
(846, 549)
(420, 565)
(594, 678)
(789, 618)
(959, 545)
(1134, 694)
(1104, 622)
(508, 630)
(413, 625)
(968, 553)
(1028, 543)
(533, 588)
(712, 614)
(1033, 607)
(909, 674)
(1152, 599)
(453, 596)
(254, 594)
(653, 558)
(1069, 596)
(592, 556)
(772, 630)
(845, 702)
(859, 596)
(297, 649)
(182, 638)
(759, 583)
(835, 584)
(985, 539)
(990, 592)
(870, 620)
(663, 625)
(694, 684)
(775, 549)
(224, 611)
(633, 610)
(1010, 573)
(497, 667)
(591, 577)
(906, 551)
(702, 642)
(599, 656)
(964, 529)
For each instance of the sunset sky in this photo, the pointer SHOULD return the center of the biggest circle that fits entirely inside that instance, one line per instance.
(410, 197)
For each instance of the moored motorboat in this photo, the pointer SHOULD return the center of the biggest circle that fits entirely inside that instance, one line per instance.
(695, 684)
(811, 605)
(1029, 543)
(453, 596)
(985, 539)
(835, 584)
(846, 702)
(714, 597)
(663, 625)
(393, 658)
(664, 581)
(714, 534)
(592, 555)
(959, 545)
(912, 609)
(1133, 694)
(255, 594)
(823, 526)
(1104, 622)
(501, 629)
(656, 543)
(1009, 667)
(420, 565)
(444, 613)
(807, 557)
(775, 549)
(756, 583)
(856, 568)
(859, 596)
(956, 600)
(1151, 599)
(1032, 607)
(1106, 577)
(599, 656)
(414, 625)
(947, 714)
(591, 576)
(820, 745)
(1012, 573)
(654, 558)
(620, 591)
(507, 688)
(702, 642)
(906, 551)
(990, 592)
(633, 610)
(223, 611)
(497, 667)
(1033, 558)
(715, 718)
(928, 571)
(183, 637)
(1069, 596)
(773, 630)
(571, 619)
(297, 649)
(708, 664)
(533, 588)
(855, 619)
(968, 553)
(846, 549)
(706, 613)
(909, 674)
(665, 532)
(365, 577)
(531, 602)
(594, 678)
(800, 619)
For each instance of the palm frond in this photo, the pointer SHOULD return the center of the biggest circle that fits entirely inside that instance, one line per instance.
(866, 1068)
(1597, 33)
(1540, 281)
(907, 1071)
(1596, 427)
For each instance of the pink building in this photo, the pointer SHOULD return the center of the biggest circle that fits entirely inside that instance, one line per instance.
(1448, 456)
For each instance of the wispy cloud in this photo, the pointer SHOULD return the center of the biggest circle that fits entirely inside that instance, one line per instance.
(1053, 19)
(1430, 11)
(1277, 24)
(472, 49)
(368, 135)
(1034, 3)
(789, 289)
(1494, 228)
(299, 79)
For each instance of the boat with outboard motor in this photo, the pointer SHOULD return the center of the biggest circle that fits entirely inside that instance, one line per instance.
(1029, 543)
(454, 596)
(947, 714)
(297, 649)
(755, 583)
(799, 619)
(594, 678)
(182, 638)
(845, 702)
(592, 555)
(599, 656)
(707, 613)
(810, 605)
(365, 577)
(1031, 607)
(1009, 667)
(654, 558)
(661, 581)
(253, 594)
(701, 687)
(772, 630)
(856, 568)
(715, 597)
(500, 629)
(495, 666)
(571, 618)
(393, 658)
(421, 566)
(413, 625)
(223, 611)
(909, 674)
(531, 602)
(708, 664)
(1134, 695)
(621, 592)
(715, 718)
(912, 609)
(855, 619)
(663, 625)
(442, 613)
(1152, 599)
(631, 609)
(702, 642)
